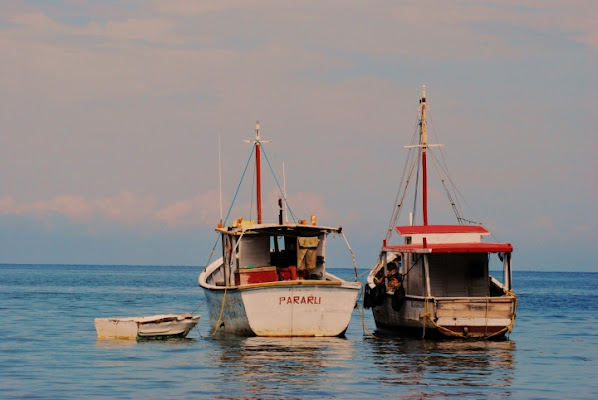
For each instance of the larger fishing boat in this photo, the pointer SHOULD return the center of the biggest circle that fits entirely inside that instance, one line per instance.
(437, 281)
(272, 278)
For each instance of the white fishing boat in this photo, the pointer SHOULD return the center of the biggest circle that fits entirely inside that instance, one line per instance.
(151, 327)
(272, 278)
(437, 281)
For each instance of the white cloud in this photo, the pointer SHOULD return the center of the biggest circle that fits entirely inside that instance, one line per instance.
(128, 209)
(202, 209)
(582, 228)
(124, 208)
(193, 8)
(7, 205)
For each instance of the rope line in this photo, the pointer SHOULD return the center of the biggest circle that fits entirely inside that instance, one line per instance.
(278, 185)
(365, 327)
(352, 255)
(212, 252)
(221, 313)
(239, 185)
(201, 304)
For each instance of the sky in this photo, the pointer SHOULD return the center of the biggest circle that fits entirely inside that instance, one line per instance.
(114, 116)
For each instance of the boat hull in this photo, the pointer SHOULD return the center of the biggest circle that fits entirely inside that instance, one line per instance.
(296, 308)
(473, 317)
(140, 328)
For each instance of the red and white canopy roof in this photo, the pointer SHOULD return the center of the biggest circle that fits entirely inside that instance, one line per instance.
(447, 239)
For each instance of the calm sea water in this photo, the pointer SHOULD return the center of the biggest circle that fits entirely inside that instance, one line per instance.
(49, 350)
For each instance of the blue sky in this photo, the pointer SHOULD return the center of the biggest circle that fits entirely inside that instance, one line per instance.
(111, 110)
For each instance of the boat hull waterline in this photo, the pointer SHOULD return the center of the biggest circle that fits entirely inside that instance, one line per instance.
(140, 328)
(321, 308)
(483, 317)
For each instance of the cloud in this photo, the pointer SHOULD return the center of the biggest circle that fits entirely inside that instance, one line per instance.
(125, 209)
(545, 227)
(306, 204)
(32, 25)
(582, 228)
(73, 207)
(202, 209)
(193, 8)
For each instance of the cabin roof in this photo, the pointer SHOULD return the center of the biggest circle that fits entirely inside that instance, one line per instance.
(431, 229)
(477, 247)
(297, 230)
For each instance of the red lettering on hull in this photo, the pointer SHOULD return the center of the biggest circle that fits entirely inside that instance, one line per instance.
(311, 299)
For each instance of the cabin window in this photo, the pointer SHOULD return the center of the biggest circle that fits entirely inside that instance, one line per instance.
(283, 256)
(254, 251)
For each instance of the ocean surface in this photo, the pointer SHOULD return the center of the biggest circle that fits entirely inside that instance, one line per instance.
(49, 349)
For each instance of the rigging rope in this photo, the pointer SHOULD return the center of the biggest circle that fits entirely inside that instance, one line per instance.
(397, 209)
(398, 204)
(352, 254)
(238, 186)
(278, 184)
(458, 195)
(212, 252)
(439, 170)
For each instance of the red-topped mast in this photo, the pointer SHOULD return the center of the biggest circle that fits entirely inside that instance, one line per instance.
(424, 145)
(258, 171)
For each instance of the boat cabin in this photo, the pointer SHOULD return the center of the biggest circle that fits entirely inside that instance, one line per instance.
(445, 261)
(269, 253)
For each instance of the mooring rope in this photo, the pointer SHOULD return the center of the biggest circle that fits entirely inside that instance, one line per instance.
(221, 313)
(352, 255)
(365, 327)
(201, 304)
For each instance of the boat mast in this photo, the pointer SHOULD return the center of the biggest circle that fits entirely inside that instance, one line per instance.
(258, 171)
(424, 145)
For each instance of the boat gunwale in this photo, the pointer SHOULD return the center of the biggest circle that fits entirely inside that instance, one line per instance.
(288, 229)
(273, 284)
(448, 248)
(462, 299)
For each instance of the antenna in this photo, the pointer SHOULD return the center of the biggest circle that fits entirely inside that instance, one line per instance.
(284, 193)
(220, 176)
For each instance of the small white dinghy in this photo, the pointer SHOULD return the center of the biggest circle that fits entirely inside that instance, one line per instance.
(152, 327)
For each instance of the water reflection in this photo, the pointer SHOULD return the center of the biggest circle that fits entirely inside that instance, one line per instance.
(259, 367)
(115, 344)
(441, 368)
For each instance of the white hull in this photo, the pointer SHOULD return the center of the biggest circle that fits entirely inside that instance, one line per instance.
(286, 308)
(156, 326)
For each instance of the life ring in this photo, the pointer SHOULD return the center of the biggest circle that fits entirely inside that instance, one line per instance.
(398, 298)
